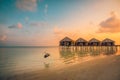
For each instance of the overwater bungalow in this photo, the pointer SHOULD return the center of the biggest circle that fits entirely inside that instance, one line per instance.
(66, 42)
(108, 42)
(94, 42)
(81, 42)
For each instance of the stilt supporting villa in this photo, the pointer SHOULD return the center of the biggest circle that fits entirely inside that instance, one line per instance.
(81, 42)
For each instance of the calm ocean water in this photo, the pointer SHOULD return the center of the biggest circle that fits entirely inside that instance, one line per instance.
(22, 59)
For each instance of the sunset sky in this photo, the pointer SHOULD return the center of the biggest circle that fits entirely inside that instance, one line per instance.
(46, 22)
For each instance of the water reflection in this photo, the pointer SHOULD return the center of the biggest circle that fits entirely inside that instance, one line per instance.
(74, 53)
(67, 53)
(109, 50)
(46, 65)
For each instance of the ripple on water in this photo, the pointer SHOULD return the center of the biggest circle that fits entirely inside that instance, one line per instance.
(22, 60)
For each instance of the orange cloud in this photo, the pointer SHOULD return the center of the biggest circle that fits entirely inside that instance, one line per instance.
(111, 25)
(29, 5)
(61, 33)
(58, 30)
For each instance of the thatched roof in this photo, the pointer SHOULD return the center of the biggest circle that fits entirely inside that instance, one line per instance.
(81, 40)
(66, 39)
(108, 40)
(94, 40)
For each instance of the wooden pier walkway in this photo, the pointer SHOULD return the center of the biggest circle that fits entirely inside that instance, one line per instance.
(117, 45)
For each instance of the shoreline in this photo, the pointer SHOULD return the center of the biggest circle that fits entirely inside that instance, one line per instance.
(106, 68)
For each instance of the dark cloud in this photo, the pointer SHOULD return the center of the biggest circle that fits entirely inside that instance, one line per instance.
(18, 25)
(13, 26)
(111, 25)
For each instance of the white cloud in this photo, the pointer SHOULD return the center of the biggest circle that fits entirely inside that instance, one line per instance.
(29, 5)
(112, 24)
(46, 9)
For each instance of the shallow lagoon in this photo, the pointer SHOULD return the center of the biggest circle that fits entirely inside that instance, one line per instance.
(22, 59)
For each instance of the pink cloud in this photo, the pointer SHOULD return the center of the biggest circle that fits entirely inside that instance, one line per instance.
(111, 25)
(19, 25)
(29, 5)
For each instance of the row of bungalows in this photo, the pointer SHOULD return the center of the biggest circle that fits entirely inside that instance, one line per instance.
(82, 42)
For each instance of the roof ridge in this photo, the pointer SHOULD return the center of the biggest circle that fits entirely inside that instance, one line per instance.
(94, 39)
(81, 39)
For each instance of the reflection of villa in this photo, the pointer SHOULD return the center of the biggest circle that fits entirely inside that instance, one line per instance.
(81, 42)
(94, 42)
(108, 42)
(81, 52)
(66, 42)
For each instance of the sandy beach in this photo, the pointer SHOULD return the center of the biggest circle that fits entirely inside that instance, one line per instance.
(106, 68)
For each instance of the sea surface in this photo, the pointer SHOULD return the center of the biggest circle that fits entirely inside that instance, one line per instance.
(19, 60)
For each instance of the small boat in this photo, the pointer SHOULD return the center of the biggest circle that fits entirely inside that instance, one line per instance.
(46, 55)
